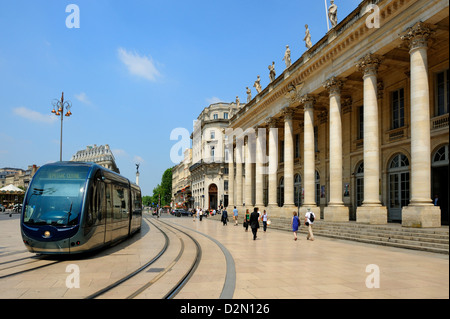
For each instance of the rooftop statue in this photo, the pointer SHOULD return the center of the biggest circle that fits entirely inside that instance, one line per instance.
(332, 14)
(249, 95)
(257, 85)
(272, 72)
(307, 38)
(287, 57)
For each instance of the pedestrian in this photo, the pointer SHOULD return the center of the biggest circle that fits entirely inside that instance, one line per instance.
(295, 223)
(224, 217)
(309, 220)
(246, 220)
(254, 222)
(235, 216)
(264, 220)
(201, 214)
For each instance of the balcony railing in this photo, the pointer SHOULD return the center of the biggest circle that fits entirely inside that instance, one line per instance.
(440, 121)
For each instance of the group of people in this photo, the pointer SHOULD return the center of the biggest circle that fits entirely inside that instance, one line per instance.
(309, 220)
(253, 219)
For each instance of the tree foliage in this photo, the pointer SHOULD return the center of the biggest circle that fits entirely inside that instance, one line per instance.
(164, 189)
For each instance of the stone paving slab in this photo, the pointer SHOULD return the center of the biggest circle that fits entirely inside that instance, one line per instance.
(275, 266)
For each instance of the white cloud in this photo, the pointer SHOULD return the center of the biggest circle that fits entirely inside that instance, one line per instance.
(83, 98)
(138, 159)
(213, 100)
(141, 66)
(34, 116)
(118, 152)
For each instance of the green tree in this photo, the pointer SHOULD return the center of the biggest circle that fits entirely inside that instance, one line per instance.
(163, 190)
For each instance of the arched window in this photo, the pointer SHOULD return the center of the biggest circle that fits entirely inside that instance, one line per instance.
(440, 158)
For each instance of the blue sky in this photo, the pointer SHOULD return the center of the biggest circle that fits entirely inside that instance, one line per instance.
(135, 70)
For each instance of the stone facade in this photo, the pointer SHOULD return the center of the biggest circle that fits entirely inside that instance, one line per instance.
(101, 155)
(357, 127)
(209, 172)
(181, 183)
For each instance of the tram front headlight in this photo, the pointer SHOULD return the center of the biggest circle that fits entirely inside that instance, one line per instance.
(46, 234)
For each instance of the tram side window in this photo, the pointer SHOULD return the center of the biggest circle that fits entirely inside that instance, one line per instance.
(118, 198)
(125, 204)
(136, 202)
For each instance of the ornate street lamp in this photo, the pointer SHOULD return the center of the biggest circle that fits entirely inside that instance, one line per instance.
(60, 105)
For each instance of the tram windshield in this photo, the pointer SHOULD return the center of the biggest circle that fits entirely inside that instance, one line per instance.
(55, 196)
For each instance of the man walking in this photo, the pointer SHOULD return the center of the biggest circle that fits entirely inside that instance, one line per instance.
(309, 220)
(254, 222)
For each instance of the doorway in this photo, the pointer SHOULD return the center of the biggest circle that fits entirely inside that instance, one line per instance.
(212, 195)
(439, 182)
(398, 186)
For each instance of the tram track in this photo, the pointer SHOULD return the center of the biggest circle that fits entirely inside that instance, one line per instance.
(22, 271)
(173, 291)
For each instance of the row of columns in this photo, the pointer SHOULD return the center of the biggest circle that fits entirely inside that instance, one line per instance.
(420, 212)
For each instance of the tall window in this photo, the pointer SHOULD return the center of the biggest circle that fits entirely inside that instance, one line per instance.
(359, 174)
(316, 139)
(398, 108)
(317, 188)
(280, 192)
(215, 116)
(361, 122)
(442, 92)
(297, 190)
(281, 151)
(225, 116)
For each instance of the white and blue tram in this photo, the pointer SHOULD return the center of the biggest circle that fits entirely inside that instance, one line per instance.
(73, 207)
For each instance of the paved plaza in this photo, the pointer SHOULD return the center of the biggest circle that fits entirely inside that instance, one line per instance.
(276, 267)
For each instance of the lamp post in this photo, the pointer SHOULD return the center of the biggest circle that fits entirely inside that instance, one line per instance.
(59, 105)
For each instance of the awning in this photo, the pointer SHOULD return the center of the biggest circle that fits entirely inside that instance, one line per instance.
(11, 189)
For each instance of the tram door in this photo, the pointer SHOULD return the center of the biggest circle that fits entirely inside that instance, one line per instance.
(398, 186)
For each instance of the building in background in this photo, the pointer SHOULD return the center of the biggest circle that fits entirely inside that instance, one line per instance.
(101, 155)
(17, 176)
(181, 183)
(209, 171)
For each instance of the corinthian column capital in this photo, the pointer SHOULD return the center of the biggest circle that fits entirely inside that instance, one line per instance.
(308, 100)
(334, 85)
(369, 64)
(417, 36)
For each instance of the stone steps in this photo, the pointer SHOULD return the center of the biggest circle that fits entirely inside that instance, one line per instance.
(426, 239)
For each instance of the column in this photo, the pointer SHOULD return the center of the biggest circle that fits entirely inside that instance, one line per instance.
(288, 161)
(238, 179)
(248, 175)
(335, 211)
(309, 160)
(230, 176)
(420, 212)
(260, 146)
(273, 164)
(371, 211)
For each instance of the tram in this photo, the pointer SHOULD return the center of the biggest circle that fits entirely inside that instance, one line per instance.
(74, 207)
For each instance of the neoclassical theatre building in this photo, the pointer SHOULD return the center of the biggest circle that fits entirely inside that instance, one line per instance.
(357, 127)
